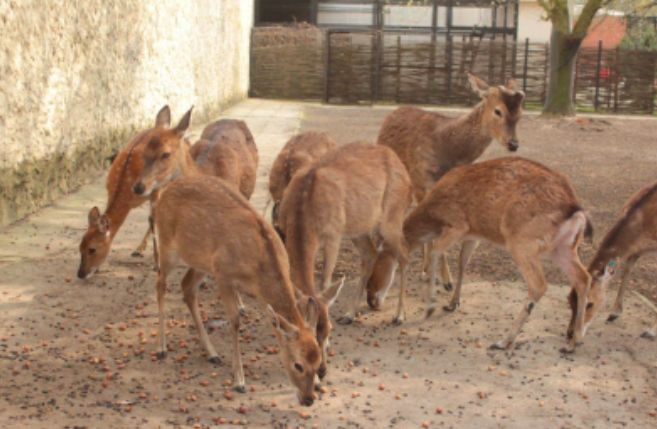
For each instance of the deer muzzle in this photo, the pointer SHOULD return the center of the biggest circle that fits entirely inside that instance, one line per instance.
(513, 145)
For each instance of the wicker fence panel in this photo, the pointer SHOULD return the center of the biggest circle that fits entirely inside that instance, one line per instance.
(304, 62)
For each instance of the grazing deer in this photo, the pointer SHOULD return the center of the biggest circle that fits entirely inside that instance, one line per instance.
(633, 235)
(125, 168)
(360, 191)
(298, 153)
(226, 150)
(207, 224)
(430, 144)
(515, 203)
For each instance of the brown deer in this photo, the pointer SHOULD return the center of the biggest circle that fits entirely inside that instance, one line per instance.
(298, 153)
(125, 168)
(207, 224)
(515, 203)
(226, 150)
(633, 235)
(430, 144)
(360, 191)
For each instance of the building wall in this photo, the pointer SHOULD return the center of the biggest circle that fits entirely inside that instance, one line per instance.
(78, 78)
(530, 24)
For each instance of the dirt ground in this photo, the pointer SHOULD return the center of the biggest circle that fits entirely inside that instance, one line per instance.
(80, 354)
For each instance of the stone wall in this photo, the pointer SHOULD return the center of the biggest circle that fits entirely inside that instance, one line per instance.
(77, 78)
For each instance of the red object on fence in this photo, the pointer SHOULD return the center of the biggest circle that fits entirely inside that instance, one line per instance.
(605, 72)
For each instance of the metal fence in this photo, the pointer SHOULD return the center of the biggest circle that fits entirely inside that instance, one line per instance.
(351, 67)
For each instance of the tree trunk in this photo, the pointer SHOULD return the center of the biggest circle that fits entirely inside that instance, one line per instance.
(563, 51)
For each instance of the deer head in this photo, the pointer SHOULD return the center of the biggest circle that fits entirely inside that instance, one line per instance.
(164, 157)
(299, 351)
(95, 244)
(502, 109)
(322, 323)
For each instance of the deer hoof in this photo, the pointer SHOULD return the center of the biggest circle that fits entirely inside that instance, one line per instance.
(448, 286)
(216, 360)
(242, 311)
(648, 334)
(612, 317)
(240, 388)
(398, 320)
(500, 345)
(567, 350)
(137, 254)
(161, 355)
(451, 307)
(346, 320)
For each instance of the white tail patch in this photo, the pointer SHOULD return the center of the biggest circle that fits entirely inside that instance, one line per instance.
(570, 230)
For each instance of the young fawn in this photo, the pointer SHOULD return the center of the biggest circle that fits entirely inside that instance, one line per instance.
(102, 228)
(360, 191)
(226, 150)
(298, 153)
(633, 235)
(207, 224)
(430, 144)
(515, 203)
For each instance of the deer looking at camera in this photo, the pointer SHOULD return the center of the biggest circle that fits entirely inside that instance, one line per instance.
(125, 168)
(360, 191)
(633, 235)
(298, 153)
(208, 225)
(430, 144)
(515, 203)
(226, 150)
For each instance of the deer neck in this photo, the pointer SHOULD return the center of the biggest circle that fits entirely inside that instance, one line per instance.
(470, 136)
(187, 164)
(116, 212)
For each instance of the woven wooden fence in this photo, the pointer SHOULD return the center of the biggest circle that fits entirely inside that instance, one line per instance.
(350, 67)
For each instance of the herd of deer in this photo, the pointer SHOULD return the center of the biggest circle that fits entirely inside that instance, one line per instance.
(322, 192)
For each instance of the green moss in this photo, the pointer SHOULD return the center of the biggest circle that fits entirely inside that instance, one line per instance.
(35, 183)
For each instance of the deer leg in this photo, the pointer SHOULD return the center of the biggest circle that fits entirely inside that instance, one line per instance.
(331, 250)
(445, 240)
(161, 287)
(530, 267)
(567, 259)
(139, 251)
(229, 298)
(467, 249)
(190, 288)
(617, 309)
(368, 255)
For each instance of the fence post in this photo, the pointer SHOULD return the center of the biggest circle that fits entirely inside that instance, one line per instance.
(449, 68)
(524, 66)
(398, 83)
(327, 65)
(616, 78)
(596, 102)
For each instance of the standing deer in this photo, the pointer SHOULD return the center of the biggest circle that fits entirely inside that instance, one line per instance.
(515, 203)
(226, 150)
(633, 235)
(430, 144)
(125, 168)
(298, 153)
(207, 224)
(360, 191)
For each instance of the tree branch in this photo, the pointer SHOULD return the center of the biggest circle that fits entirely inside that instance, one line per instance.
(586, 17)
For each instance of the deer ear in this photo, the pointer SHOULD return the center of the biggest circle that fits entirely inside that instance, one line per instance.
(478, 85)
(330, 294)
(163, 118)
(184, 122)
(283, 329)
(93, 216)
(309, 308)
(103, 224)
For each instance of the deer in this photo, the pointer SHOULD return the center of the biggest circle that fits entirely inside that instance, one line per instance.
(633, 235)
(517, 204)
(207, 224)
(298, 153)
(103, 227)
(358, 191)
(226, 149)
(431, 144)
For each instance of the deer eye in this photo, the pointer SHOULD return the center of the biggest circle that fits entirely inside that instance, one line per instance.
(298, 367)
(498, 112)
(589, 305)
(165, 155)
(92, 251)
